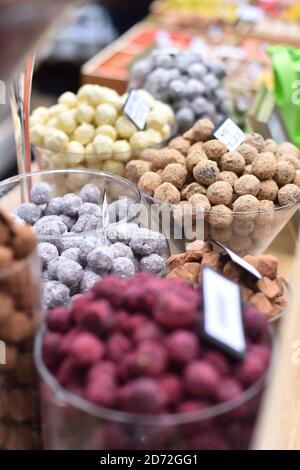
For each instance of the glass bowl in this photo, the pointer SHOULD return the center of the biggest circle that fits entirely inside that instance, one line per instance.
(19, 417)
(70, 422)
(246, 233)
(16, 190)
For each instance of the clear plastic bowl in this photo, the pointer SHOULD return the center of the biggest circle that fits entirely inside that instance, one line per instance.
(247, 233)
(70, 422)
(16, 190)
(19, 417)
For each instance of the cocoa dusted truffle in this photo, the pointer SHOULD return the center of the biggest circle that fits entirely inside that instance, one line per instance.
(206, 172)
(220, 192)
(233, 161)
(149, 181)
(288, 194)
(193, 188)
(228, 176)
(247, 203)
(136, 168)
(167, 192)
(203, 130)
(199, 201)
(268, 189)
(285, 173)
(249, 153)
(193, 158)
(214, 149)
(247, 184)
(180, 144)
(176, 174)
(264, 165)
(220, 217)
(256, 140)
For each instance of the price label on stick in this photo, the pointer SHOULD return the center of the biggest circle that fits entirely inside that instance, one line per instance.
(223, 315)
(230, 135)
(136, 109)
(239, 261)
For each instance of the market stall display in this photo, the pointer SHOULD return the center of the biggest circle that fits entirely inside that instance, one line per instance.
(147, 380)
(139, 287)
(91, 130)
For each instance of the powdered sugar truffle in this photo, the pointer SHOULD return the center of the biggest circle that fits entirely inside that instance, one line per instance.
(29, 212)
(153, 263)
(69, 272)
(55, 293)
(90, 193)
(47, 252)
(123, 267)
(41, 193)
(100, 260)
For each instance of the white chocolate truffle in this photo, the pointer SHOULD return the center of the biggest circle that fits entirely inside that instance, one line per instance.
(89, 149)
(66, 122)
(144, 139)
(156, 120)
(114, 167)
(166, 132)
(103, 146)
(124, 127)
(41, 114)
(91, 94)
(37, 134)
(52, 123)
(84, 133)
(165, 110)
(146, 96)
(107, 130)
(121, 151)
(56, 110)
(105, 114)
(69, 99)
(76, 153)
(56, 140)
(84, 113)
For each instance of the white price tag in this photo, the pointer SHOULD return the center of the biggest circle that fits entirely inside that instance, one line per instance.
(137, 110)
(230, 134)
(239, 261)
(223, 316)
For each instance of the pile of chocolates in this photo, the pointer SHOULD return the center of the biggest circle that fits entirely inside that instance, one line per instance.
(268, 295)
(190, 85)
(90, 130)
(135, 345)
(73, 250)
(234, 192)
(19, 310)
